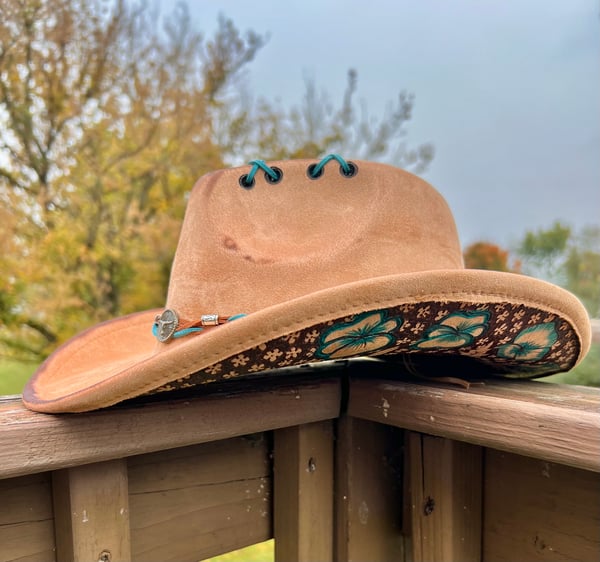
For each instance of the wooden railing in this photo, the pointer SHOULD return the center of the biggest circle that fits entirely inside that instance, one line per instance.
(339, 464)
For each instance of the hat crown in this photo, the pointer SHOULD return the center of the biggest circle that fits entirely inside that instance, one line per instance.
(242, 250)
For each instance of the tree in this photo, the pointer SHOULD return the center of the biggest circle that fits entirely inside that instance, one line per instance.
(108, 114)
(582, 268)
(543, 250)
(104, 124)
(566, 258)
(485, 255)
(317, 126)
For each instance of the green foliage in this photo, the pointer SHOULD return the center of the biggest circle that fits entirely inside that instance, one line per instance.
(108, 114)
(570, 259)
(542, 252)
(102, 125)
(261, 552)
(545, 246)
(582, 268)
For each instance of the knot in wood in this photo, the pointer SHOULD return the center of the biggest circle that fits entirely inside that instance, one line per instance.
(429, 506)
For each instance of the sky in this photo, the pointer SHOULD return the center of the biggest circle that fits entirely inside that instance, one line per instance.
(507, 91)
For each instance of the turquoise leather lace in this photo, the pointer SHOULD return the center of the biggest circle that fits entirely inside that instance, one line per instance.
(314, 171)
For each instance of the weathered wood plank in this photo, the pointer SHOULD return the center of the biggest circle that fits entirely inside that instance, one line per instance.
(26, 519)
(303, 493)
(445, 486)
(369, 477)
(91, 513)
(200, 501)
(538, 510)
(34, 442)
(557, 423)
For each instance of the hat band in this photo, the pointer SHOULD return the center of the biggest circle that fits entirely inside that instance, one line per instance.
(168, 325)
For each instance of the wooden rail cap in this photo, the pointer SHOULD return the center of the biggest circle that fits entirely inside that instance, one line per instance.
(34, 442)
(558, 423)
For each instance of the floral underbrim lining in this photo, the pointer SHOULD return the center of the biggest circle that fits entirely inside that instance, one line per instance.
(502, 339)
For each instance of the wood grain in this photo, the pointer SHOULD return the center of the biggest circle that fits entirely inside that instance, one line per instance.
(91, 513)
(557, 423)
(26, 519)
(369, 466)
(303, 493)
(34, 442)
(200, 501)
(445, 491)
(538, 510)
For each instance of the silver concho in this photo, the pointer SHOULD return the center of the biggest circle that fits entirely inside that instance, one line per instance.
(166, 324)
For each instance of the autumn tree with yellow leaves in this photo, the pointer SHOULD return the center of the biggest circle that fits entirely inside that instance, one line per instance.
(109, 112)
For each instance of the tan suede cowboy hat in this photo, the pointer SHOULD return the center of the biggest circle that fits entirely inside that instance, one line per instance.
(302, 261)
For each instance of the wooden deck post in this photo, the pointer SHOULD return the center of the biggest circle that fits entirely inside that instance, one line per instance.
(303, 493)
(91, 513)
(368, 492)
(445, 483)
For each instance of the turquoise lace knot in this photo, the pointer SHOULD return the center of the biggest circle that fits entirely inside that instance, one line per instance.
(274, 175)
(346, 168)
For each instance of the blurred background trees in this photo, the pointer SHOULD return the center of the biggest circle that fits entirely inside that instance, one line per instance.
(567, 257)
(109, 112)
(486, 255)
(560, 254)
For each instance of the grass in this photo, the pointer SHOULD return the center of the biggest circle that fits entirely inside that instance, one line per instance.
(14, 375)
(261, 552)
(587, 373)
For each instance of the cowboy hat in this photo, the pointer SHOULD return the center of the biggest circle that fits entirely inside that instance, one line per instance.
(300, 261)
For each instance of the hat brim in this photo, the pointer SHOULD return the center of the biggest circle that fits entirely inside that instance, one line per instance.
(509, 324)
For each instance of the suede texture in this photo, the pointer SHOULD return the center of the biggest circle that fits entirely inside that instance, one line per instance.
(267, 245)
(292, 255)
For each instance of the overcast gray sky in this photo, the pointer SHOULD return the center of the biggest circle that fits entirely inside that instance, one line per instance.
(508, 91)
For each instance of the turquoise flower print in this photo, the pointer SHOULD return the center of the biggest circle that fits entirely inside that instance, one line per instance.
(455, 330)
(530, 344)
(365, 334)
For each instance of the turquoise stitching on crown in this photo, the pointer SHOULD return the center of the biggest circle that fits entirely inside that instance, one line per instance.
(261, 165)
(318, 169)
(247, 181)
